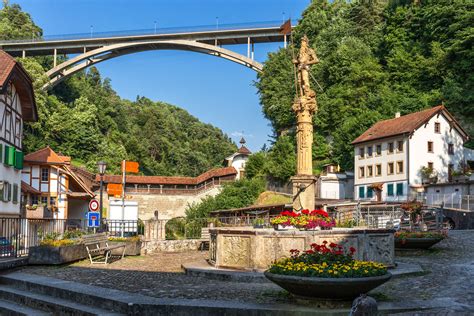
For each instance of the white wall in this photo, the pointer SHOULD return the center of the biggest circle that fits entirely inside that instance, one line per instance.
(238, 162)
(419, 155)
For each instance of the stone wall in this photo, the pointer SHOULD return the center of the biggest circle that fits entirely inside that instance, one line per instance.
(152, 246)
(168, 206)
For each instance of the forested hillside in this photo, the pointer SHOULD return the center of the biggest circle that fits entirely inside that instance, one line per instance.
(377, 58)
(83, 117)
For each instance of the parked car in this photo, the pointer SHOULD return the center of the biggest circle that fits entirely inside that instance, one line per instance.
(6, 248)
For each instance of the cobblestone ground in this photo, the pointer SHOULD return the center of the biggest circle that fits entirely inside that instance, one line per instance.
(449, 274)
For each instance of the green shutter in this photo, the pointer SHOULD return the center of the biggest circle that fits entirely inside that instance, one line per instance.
(9, 156)
(1, 153)
(390, 189)
(361, 192)
(2, 190)
(19, 156)
(370, 192)
(399, 189)
(9, 192)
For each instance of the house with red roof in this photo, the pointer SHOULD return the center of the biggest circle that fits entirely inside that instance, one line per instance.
(238, 159)
(52, 188)
(398, 157)
(17, 105)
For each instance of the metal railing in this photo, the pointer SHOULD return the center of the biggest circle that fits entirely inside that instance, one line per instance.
(150, 31)
(454, 200)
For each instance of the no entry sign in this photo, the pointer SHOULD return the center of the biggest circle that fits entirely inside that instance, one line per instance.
(93, 205)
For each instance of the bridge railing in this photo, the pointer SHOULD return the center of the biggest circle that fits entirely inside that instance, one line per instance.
(145, 32)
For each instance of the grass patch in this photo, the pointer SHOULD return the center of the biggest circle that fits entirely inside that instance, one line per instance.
(268, 198)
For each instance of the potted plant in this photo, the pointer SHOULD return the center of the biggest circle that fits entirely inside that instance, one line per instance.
(327, 272)
(258, 222)
(418, 239)
(413, 210)
(286, 220)
(55, 249)
(133, 245)
(315, 220)
(428, 175)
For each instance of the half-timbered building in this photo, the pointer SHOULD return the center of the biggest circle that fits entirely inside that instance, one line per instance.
(17, 104)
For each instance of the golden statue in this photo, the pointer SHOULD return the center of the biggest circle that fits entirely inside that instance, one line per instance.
(304, 106)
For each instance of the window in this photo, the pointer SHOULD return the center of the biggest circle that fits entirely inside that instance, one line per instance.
(44, 200)
(390, 189)
(34, 199)
(400, 146)
(451, 149)
(369, 151)
(390, 168)
(450, 172)
(44, 174)
(361, 192)
(52, 200)
(399, 189)
(15, 194)
(437, 127)
(361, 172)
(430, 147)
(378, 150)
(370, 171)
(399, 166)
(430, 165)
(378, 170)
(361, 153)
(390, 148)
(370, 192)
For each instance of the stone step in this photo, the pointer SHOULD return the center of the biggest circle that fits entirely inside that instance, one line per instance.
(48, 303)
(8, 308)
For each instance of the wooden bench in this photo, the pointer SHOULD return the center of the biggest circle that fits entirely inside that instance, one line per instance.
(98, 249)
(206, 236)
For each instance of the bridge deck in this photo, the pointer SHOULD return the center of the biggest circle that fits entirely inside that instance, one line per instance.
(77, 43)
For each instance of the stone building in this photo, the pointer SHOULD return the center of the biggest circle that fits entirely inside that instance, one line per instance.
(17, 105)
(397, 158)
(167, 197)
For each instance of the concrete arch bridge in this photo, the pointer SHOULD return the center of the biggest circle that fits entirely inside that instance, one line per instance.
(92, 48)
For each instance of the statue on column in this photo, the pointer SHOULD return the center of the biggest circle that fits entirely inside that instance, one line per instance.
(304, 106)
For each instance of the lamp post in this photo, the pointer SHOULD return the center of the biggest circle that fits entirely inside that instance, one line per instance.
(102, 166)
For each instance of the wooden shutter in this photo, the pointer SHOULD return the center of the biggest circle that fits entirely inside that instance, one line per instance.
(19, 157)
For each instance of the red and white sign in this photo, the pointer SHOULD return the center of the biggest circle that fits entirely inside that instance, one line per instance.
(93, 205)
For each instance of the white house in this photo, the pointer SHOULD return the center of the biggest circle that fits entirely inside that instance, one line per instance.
(398, 156)
(17, 104)
(334, 184)
(238, 159)
(52, 188)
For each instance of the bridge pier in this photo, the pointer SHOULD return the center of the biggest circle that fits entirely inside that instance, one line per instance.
(55, 58)
(23, 54)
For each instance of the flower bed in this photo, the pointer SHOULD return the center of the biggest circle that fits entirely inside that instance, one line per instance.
(133, 245)
(418, 239)
(316, 219)
(327, 271)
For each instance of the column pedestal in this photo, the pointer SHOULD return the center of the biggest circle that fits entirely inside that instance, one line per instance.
(303, 192)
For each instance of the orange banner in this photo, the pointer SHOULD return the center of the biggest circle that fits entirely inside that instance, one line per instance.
(131, 166)
(114, 189)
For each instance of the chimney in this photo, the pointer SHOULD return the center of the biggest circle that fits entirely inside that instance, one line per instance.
(397, 115)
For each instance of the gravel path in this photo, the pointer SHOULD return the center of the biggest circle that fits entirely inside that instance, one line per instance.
(449, 273)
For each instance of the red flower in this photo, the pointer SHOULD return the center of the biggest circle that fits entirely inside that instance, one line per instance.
(352, 250)
(305, 212)
(332, 245)
(310, 251)
(325, 242)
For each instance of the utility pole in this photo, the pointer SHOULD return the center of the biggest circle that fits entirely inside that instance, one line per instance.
(155, 27)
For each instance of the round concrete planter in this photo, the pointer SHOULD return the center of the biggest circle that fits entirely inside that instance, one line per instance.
(327, 288)
(416, 243)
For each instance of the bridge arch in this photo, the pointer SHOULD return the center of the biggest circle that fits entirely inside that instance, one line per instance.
(87, 59)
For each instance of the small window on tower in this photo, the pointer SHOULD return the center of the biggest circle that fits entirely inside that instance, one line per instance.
(437, 128)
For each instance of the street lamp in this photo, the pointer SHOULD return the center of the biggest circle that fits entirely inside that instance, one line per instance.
(101, 165)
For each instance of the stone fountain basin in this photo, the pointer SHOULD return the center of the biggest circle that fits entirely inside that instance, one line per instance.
(327, 288)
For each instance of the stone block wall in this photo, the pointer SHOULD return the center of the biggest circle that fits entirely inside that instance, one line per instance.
(152, 246)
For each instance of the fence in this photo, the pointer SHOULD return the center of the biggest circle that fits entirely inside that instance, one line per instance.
(389, 217)
(457, 201)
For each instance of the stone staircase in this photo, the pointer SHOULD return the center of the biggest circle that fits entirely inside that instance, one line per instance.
(21, 294)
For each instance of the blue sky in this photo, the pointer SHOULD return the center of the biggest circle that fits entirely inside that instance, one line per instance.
(215, 90)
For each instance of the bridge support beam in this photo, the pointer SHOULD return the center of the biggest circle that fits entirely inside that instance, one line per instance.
(55, 61)
(73, 65)
(23, 54)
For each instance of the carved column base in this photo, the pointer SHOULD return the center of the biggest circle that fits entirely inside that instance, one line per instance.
(303, 199)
